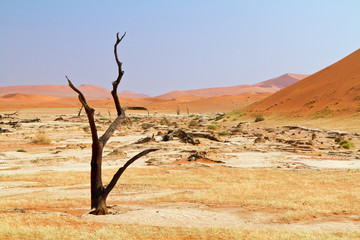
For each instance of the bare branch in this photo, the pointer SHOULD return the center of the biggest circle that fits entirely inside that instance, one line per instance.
(89, 112)
(121, 73)
(81, 96)
(123, 168)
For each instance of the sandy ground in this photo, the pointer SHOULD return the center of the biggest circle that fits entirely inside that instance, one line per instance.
(70, 151)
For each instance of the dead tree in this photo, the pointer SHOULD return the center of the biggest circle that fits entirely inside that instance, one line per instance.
(137, 108)
(10, 115)
(80, 110)
(99, 192)
(187, 137)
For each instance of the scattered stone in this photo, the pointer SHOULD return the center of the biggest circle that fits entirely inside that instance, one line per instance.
(259, 140)
(146, 126)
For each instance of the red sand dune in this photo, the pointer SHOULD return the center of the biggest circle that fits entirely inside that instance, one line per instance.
(89, 91)
(212, 104)
(129, 94)
(271, 85)
(64, 91)
(335, 90)
(282, 81)
(188, 98)
(192, 103)
(21, 98)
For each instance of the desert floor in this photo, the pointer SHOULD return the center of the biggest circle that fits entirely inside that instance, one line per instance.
(258, 181)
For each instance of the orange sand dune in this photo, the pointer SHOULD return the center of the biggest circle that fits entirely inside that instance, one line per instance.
(129, 94)
(212, 104)
(193, 104)
(271, 85)
(64, 91)
(188, 98)
(282, 81)
(225, 99)
(21, 98)
(334, 90)
(57, 90)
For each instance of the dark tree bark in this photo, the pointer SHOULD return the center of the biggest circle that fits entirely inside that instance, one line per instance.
(99, 192)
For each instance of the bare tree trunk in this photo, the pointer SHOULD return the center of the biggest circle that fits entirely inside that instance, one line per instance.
(99, 193)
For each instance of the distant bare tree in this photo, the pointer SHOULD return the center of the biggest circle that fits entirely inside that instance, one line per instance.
(99, 192)
(80, 110)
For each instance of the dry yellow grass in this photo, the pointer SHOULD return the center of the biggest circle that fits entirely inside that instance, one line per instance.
(295, 195)
(51, 179)
(40, 226)
(291, 195)
(42, 201)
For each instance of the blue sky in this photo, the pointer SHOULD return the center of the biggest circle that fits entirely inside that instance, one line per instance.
(172, 45)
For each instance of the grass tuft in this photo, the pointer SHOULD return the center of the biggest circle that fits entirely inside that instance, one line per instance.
(41, 138)
(259, 118)
(213, 127)
(104, 119)
(193, 123)
(347, 144)
(224, 133)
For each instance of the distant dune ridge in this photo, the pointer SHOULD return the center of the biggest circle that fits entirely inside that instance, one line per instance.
(271, 85)
(129, 94)
(335, 90)
(201, 100)
(64, 91)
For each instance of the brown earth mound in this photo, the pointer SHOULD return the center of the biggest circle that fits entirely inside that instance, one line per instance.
(332, 91)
